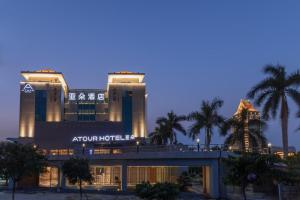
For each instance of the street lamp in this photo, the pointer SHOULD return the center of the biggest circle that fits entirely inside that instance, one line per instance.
(137, 146)
(269, 147)
(198, 144)
(83, 148)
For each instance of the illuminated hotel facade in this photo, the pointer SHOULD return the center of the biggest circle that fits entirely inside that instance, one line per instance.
(46, 97)
(62, 121)
(108, 127)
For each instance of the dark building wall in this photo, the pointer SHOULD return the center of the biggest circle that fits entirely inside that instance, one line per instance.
(58, 135)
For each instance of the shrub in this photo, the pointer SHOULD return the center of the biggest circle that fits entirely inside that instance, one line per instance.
(143, 190)
(184, 181)
(158, 191)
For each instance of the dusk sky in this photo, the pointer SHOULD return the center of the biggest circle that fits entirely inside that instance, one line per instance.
(190, 50)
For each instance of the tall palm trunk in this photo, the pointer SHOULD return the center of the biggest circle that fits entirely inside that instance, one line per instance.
(207, 138)
(284, 126)
(243, 188)
(13, 189)
(80, 189)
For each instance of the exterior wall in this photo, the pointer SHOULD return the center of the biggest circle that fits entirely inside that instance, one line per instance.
(102, 112)
(138, 113)
(54, 103)
(115, 102)
(27, 106)
(27, 113)
(116, 93)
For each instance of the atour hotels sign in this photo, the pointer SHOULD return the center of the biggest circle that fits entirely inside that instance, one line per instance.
(104, 138)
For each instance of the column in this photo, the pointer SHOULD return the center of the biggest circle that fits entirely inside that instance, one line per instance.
(124, 177)
(214, 179)
(62, 180)
(206, 179)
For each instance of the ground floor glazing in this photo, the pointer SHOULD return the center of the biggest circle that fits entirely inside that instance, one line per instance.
(110, 177)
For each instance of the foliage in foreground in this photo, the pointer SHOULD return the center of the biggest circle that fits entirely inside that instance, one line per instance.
(240, 126)
(256, 169)
(159, 191)
(184, 181)
(77, 171)
(272, 94)
(18, 161)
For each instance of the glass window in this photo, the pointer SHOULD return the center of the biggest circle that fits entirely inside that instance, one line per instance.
(102, 151)
(49, 178)
(153, 175)
(127, 112)
(40, 105)
(103, 177)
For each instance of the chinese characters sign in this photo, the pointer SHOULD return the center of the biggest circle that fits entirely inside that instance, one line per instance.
(86, 96)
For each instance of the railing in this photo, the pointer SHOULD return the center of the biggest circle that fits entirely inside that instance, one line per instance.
(135, 149)
(150, 148)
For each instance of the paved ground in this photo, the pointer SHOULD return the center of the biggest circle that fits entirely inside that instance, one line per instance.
(63, 196)
(75, 196)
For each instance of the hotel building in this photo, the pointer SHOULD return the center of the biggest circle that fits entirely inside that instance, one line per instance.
(45, 97)
(106, 125)
(64, 121)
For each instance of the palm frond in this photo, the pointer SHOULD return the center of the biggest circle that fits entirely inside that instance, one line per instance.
(216, 104)
(268, 106)
(179, 128)
(294, 94)
(261, 97)
(293, 79)
(273, 70)
(264, 85)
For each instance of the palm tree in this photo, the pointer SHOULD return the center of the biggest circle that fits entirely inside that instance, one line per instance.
(273, 91)
(170, 124)
(245, 129)
(207, 118)
(159, 135)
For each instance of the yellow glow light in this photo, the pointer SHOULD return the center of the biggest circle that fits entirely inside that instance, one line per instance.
(46, 76)
(115, 76)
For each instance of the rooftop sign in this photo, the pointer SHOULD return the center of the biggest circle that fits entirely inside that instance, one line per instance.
(86, 96)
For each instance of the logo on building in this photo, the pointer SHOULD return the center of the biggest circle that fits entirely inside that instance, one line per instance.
(105, 138)
(28, 88)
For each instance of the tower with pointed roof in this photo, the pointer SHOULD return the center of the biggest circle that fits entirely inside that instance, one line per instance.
(252, 113)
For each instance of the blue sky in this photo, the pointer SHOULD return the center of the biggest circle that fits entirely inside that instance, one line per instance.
(189, 50)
